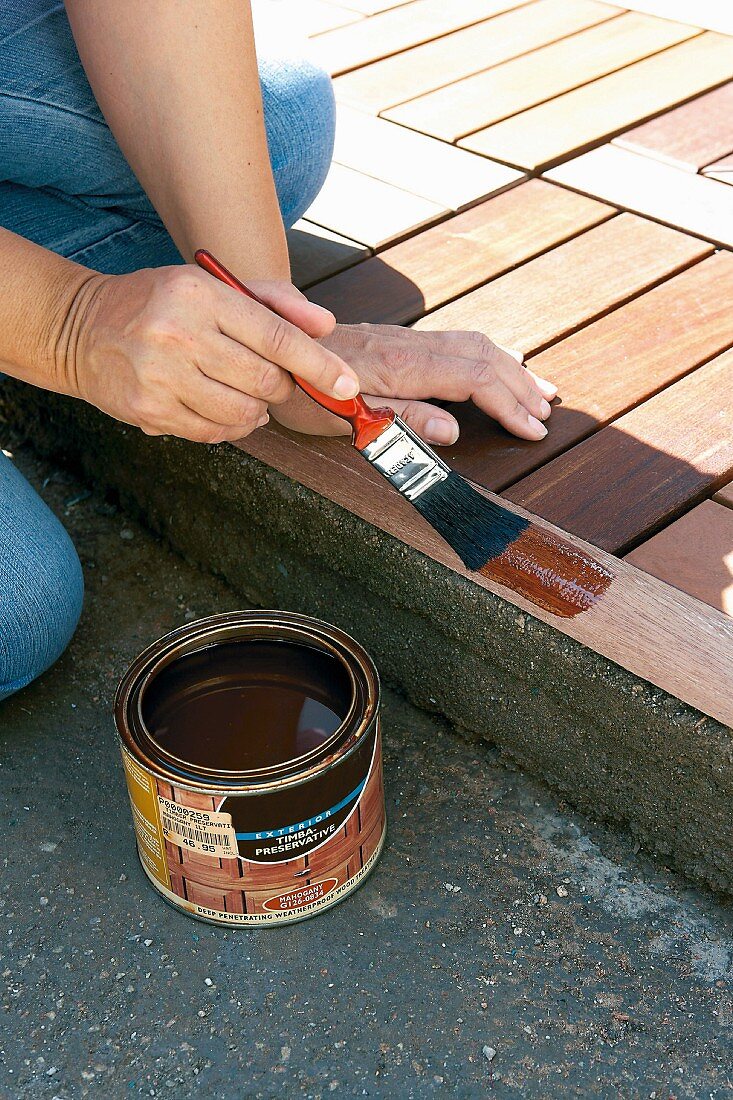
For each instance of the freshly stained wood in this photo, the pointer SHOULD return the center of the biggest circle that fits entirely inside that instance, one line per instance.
(316, 253)
(695, 554)
(713, 14)
(606, 369)
(641, 623)
(725, 495)
(441, 263)
(571, 123)
(641, 472)
(448, 176)
(690, 136)
(399, 29)
(550, 297)
(722, 170)
(487, 97)
(694, 203)
(393, 80)
(369, 211)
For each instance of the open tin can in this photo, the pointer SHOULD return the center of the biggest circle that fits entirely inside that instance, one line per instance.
(252, 752)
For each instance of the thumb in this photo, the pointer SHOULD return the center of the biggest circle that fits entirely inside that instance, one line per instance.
(287, 300)
(433, 424)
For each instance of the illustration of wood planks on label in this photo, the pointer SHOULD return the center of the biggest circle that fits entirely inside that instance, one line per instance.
(691, 202)
(457, 255)
(476, 102)
(639, 473)
(422, 69)
(450, 177)
(687, 137)
(605, 369)
(539, 302)
(553, 131)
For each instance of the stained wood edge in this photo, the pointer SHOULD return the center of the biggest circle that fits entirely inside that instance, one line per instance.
(642, 624)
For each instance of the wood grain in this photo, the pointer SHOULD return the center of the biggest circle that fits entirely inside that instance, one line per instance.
(573, 122)
(450, 177)
(695, 554)
(725, 495)
(393, 80)
(476, 102)
(459, 254)
(699, 205)
(640, 473)
(548, 298)
(606, 369)
(688, 137)
(642, 624)
(369, 211)
(316, 253)
(398, 29)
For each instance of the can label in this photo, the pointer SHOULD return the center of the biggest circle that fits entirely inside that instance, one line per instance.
(201, 852)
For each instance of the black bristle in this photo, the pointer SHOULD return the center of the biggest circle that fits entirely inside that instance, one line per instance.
(477, 528)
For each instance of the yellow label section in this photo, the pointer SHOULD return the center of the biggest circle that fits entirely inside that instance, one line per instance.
(146, 819)
(204, 831)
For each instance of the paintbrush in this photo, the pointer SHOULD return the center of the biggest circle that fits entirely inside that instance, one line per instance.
(489, 538)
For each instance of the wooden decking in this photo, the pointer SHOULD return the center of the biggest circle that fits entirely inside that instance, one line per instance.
(557, 174)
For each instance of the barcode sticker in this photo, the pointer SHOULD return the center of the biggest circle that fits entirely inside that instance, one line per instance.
(204, 831)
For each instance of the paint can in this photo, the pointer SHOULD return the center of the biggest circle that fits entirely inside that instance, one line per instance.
(252, 752)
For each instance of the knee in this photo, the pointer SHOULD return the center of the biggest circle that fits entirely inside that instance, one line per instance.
(300, 115)
(40, 601)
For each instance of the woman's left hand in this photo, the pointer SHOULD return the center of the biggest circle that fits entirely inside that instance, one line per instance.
(404, 369)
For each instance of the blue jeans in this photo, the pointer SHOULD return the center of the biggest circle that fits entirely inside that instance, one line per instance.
(65, 185)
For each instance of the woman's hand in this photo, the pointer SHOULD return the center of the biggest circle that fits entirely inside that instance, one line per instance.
(173, 351)
(402, 368)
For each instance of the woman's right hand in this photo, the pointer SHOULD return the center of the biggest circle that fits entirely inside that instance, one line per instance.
(176, 352)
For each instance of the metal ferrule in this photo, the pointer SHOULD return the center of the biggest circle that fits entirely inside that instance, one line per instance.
(407, 463)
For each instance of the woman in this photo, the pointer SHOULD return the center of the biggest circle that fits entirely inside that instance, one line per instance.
(130, 135)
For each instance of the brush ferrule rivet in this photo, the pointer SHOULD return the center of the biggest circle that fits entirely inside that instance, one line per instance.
(405, 460)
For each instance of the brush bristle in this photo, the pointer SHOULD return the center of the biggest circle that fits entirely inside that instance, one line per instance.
(477, 528)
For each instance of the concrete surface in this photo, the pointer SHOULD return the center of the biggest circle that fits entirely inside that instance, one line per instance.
(607, 740)
(504, 947)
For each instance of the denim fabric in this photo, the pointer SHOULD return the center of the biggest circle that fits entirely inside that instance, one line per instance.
(65, 185)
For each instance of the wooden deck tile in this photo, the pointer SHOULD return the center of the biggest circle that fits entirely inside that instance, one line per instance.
(690, 136)
(606, 369)
(369, 211)
(550, 297)
(476, 102)
(699, 205)
(452, 258)
(695, 554)
(316, 253)
(398, 29)
(722, 170)
(725, 495)
(638, 474)
(435, 64)
(555, 130)
(317, 17)
(713, 14)
(421, 165)
(371, 7)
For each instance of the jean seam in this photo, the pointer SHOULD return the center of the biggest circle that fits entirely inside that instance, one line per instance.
(52, 107)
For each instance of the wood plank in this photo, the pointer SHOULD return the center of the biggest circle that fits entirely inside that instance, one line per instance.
(725, 495)
(713, 14)
(371, 7)
(424, 68)
(695, 554)
(642, 624)
(553, 131)
(721, 170)
(688, 137)
(699, 205)
(450, 177)
(369, 211)
(640, 473)
(398, 29)
(606, 369)
(459, 254)
(550, 297)
(476, 102)
(316, 253)
(294, 20)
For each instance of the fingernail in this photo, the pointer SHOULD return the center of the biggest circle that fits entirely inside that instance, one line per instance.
(546, 409)
(263, 420)
(441, 431)
(537, 427)
(548, 388)
(345, 386)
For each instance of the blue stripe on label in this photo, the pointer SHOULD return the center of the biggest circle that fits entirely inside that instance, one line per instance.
(268, 834)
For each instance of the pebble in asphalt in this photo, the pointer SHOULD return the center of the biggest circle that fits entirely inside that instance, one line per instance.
(504, 947)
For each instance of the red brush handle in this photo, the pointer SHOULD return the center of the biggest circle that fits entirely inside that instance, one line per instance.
(367, 423)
